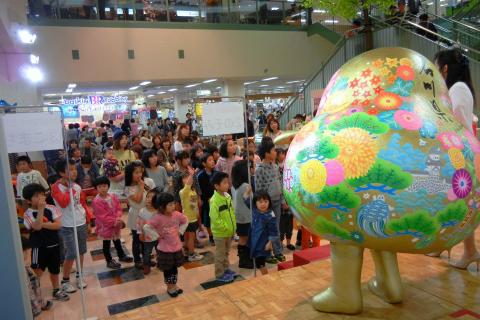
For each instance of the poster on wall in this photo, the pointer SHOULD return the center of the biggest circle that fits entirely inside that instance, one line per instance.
(222, 118)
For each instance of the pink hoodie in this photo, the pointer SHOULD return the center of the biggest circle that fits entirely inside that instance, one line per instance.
(106, 217)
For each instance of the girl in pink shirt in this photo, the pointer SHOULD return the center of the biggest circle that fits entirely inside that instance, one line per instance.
(227, 157)
(168, 224)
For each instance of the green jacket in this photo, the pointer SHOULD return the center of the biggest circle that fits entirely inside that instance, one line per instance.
(222, 216)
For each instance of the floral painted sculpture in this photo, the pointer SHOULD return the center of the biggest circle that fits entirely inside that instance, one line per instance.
(384, 165)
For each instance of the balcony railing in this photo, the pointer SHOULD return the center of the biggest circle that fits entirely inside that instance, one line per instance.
(275, 12)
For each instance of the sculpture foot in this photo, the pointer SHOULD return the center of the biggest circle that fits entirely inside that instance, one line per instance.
(394, 296)
(350, 302)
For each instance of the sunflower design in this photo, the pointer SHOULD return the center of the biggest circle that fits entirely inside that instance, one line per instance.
(405, 73)
(392, 62)
(358, 151)
(385, 71)
(462, 183)
(313, 176)
(456, 158)
(388, 101)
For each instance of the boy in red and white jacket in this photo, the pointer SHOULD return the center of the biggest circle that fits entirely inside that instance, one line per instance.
(74, 215)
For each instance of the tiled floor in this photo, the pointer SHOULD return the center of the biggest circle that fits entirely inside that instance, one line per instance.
(110, 291)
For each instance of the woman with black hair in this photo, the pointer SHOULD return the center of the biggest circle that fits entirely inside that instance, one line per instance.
(454, 67)
(243, 214)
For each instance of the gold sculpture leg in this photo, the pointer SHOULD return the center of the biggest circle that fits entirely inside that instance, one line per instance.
(387, 283)
(344, 295)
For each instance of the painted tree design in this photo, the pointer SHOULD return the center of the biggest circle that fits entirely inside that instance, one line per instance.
(340, 197)
(452, 214)
(326, 227)
(324, 148)
(418, 225)
(384, 176)
(360, 120)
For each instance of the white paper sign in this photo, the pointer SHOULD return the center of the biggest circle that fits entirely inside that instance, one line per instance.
(222, 118)
(33, 131)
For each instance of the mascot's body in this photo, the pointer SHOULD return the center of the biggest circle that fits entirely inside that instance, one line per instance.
(384, 165)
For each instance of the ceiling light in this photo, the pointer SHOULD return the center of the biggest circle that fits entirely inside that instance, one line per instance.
(76, 93)
(122, 92)
(248, 83)
(133, 88)
(150, 95)
(219, 88)
(161, 92)
(144, 83)
(50, 95)
(72, 85)
(34, 74)
(275, 8)
(268, 79)
(34, 59)
(100, 92)
(69, 90)
(263, 85)
(331, 21)
(211, 80)
(280, 87)
(192, 85)
(172, 90)
(319, 11)
(295, 81)
(26, 36)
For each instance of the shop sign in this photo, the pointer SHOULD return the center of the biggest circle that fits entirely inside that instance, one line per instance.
(92, 100)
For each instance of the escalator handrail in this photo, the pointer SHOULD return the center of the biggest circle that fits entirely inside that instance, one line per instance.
(417, 26)
(453, 21)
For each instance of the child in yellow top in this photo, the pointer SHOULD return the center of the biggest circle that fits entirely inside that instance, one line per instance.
(189, 201)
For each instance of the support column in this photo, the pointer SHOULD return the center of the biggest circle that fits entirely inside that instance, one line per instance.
(234, 88)
(181, 109)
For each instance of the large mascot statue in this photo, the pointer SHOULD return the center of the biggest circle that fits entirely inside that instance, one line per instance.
(384, 165)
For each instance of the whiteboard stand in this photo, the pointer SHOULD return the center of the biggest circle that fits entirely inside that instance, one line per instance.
(229, 117)
(27, 129)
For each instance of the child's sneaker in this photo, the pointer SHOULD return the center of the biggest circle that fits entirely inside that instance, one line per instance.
(195, 257)
(271, 260)
(67, 287)
(47, 306)
(290, 247)
(231, 272)
(113, 264)
(225, 278)
(280, 258)
(60, 295)
(126, 259)
(81, 284)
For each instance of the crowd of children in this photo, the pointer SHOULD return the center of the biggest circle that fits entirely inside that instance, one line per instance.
(224, 194)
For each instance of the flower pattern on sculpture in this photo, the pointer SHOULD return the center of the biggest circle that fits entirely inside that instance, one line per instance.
(405, 73)
(358, 151)
(313, 176)
(388, 101)
(456, 158)
(450, 140)
(473, 141)
(400, 87)
(335, 172)
(462, 183)
(408, 120)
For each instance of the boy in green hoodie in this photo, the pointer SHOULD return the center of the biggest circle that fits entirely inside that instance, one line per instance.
(223, 225)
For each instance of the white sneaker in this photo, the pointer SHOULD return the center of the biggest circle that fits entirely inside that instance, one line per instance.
(68, 288)
(195, 257)
(81, 283)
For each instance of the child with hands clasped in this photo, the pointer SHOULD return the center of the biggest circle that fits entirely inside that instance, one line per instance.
(137, 186)
(166, 226)
(264, 227)
(43, 221)
(144, 216)
(108, 214)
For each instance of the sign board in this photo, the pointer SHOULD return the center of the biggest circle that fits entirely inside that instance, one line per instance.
(222, 118)
(92, 100)
(26, 132)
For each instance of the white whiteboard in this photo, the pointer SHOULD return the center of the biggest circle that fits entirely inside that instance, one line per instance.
(33, 131)
(222, 118)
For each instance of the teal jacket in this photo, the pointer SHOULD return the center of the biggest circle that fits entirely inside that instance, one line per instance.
(222, 216)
